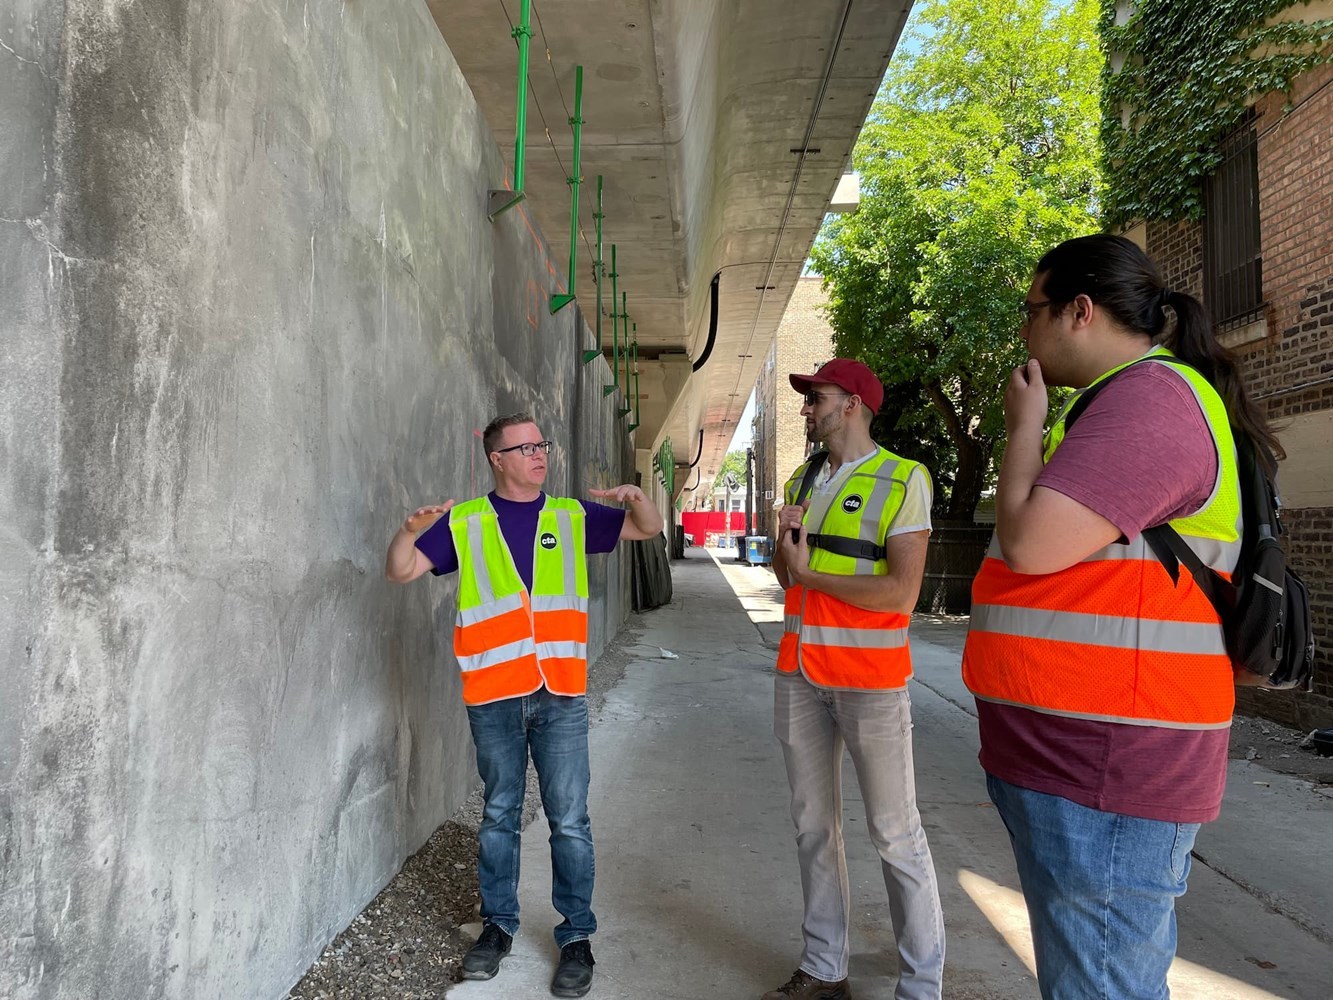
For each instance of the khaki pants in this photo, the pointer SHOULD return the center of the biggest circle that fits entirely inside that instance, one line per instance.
(813, 725)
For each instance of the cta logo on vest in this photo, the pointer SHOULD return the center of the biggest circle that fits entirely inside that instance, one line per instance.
(548, 540)
(852, 504)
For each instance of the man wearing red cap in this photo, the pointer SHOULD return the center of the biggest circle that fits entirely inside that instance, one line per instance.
(851, 552)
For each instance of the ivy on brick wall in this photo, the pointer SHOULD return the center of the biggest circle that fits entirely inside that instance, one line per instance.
(1180, 75)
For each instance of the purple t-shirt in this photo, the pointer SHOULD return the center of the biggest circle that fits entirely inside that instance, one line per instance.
(1141, 454)
(518, 525)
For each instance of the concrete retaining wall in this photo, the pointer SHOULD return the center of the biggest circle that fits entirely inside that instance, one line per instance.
(251, 312)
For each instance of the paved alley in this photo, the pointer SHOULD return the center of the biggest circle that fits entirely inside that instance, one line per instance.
(698, 891)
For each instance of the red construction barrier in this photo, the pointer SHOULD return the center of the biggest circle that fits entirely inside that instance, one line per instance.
(708, 526)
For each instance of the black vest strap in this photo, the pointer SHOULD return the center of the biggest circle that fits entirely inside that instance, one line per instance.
(854, 548)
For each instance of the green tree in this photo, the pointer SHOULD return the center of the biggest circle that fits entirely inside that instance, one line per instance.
(980, 153)
(734, 462)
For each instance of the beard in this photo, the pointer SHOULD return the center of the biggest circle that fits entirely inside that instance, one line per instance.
(819, 431)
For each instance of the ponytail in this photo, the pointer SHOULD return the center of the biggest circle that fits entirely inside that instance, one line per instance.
(1121, 279)
(1193, 340)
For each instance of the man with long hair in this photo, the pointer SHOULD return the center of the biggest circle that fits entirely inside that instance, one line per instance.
(1104, 691)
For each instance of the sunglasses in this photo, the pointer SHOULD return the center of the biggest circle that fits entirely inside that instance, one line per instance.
(527, 449)
(814, 398)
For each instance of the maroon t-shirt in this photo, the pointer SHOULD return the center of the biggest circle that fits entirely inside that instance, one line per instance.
(1141, 454)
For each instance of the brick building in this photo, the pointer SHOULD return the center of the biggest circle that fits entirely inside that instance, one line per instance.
(804, 341)
(1262, 260)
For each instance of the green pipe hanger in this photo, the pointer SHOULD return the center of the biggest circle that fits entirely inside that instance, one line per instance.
(634, 425)
(600, 272)
(559, 302)
(502, 200)
(624, 319)
(615, 335)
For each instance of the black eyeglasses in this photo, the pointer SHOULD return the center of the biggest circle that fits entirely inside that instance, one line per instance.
(527, 448)
(1026, 309)
(813, 398)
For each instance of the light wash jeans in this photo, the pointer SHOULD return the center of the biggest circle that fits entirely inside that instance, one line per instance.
(555, 729)
(813, 725)
(1101, 893)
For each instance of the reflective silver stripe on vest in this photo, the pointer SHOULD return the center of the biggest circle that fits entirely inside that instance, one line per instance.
(1101, 630)
(868, 527)
(562, 650)
(501, 654)
(483, 612)
(481, 572)
(791, 623)
(1213, 552)
(856, 638)
(560, 603)
(562, 519)
(1127, 720)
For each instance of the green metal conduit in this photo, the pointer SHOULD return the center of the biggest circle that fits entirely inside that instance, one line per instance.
(600, 266)
(624, 319)
(615, 335)
(502, 200)
(559, 302)
(635, 425)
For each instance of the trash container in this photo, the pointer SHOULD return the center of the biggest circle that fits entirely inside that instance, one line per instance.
(758, 550)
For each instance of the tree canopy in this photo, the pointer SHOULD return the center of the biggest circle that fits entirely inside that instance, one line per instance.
(980, 153)
(734, 462)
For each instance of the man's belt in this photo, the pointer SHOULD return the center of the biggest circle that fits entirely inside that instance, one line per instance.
(853, 548)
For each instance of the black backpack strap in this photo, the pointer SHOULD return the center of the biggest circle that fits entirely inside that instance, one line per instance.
(1173, 552)
(814, 463)
(854, 548)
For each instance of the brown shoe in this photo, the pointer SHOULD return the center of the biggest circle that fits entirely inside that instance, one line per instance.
(803, 986)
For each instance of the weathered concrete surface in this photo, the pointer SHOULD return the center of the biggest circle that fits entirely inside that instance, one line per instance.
(253, 312)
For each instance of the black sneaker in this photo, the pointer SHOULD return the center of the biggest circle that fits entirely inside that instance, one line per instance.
(482, 960)
(573, 976)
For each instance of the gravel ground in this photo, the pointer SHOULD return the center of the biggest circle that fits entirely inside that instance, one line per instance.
(408, 943)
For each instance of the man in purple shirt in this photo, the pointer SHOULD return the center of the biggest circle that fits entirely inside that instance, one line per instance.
(550, 722)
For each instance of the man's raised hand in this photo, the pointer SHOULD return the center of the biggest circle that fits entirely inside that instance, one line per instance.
(627, 493)
(423, 517)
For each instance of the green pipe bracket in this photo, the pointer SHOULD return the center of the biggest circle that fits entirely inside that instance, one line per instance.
(624, 318)
(502, 200)
(635, 425)
(559, 302)
(615, 330)
(601, 274)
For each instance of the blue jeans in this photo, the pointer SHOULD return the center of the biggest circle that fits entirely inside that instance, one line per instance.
(555, 729)
(1101, 893)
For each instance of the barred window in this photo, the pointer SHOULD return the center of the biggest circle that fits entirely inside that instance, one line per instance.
(1232, 256)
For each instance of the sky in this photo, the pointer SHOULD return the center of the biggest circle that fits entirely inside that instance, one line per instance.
(744, 427)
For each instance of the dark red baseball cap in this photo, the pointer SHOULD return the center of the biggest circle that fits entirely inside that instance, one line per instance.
(848, 375)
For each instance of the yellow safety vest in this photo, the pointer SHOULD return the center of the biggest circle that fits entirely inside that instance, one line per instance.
(836, 644)
(508, 642)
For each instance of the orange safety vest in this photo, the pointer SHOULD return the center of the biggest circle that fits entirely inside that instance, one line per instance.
(833, 643)
(1111, 638)
(509, 642)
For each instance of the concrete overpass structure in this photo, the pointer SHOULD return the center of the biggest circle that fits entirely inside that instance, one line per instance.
(722, 130)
